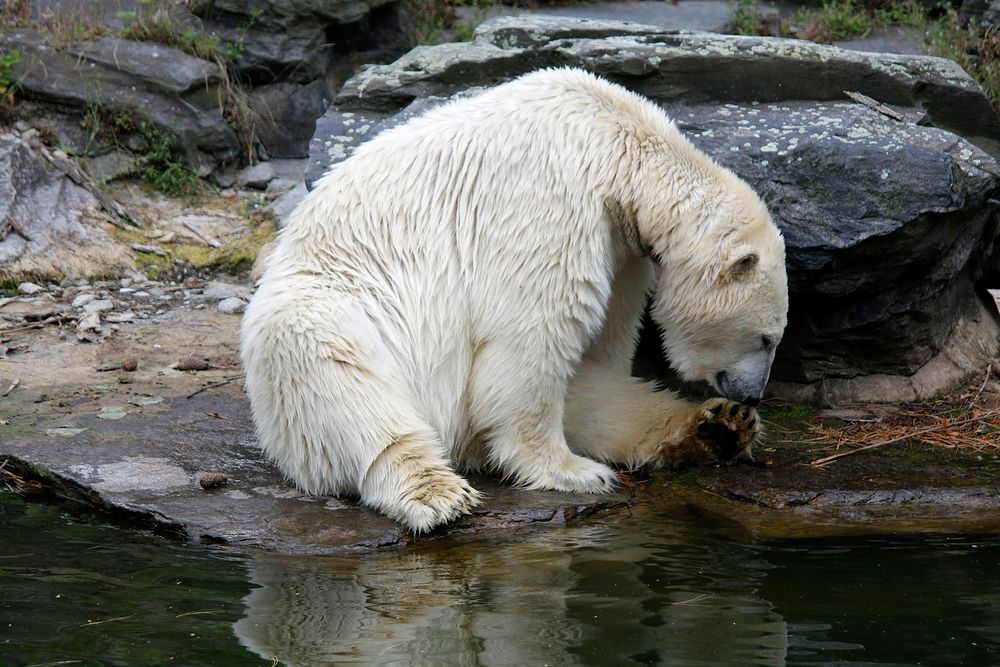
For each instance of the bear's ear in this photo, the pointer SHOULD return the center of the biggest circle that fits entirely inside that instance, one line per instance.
(742, 264)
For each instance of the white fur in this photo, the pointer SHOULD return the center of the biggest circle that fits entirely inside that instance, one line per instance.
(431, 303)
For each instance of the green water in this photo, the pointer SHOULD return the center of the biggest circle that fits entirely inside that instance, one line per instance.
(675, 589)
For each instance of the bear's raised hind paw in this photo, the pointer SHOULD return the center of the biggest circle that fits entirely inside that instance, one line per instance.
(726, 430)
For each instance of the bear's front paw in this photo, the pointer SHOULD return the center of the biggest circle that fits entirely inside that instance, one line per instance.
(725, 430)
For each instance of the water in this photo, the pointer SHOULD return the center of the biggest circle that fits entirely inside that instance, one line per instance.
(677, 588)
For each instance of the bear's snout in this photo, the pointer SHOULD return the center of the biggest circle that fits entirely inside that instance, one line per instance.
(740, 387)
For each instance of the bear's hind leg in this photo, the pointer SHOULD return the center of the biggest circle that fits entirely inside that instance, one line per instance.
(331, 410)
(619, 419)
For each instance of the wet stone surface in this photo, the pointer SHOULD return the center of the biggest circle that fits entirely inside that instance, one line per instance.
(145, 444)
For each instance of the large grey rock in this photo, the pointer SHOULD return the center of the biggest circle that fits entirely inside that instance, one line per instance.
(890, 224)
(299, 40)
(155, 84)
(50, 226)
(286, 116)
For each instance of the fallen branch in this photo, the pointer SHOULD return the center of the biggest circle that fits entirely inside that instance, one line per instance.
(979, 393)
(210, 241)
(57, 319)
(12, 387)
(875, 105)
(214, 385)
(148, 249)
(940, 427)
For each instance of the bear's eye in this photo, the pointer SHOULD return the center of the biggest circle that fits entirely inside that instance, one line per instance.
(767, 341)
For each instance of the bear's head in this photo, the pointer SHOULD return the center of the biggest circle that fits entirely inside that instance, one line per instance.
(721, 293)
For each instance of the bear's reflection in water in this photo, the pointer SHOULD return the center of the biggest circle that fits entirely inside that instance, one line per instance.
(623, 592)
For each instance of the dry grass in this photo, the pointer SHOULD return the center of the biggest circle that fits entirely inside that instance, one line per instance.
(968, 421)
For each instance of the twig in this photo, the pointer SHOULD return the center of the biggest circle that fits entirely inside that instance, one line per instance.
(981, 388)
(210, 241)
(874, 105)
(214, 385)
(940, 427)
(148, 249)
(107, 620)
(193, 613)
(56, 319)
(12, 387)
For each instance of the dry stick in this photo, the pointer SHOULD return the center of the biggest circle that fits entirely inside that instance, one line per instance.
(214, 385)
(12, 387)
(940, 427)
(875, 105)
(210, 241)
(59, 319)
(981, 388)
(107, 620)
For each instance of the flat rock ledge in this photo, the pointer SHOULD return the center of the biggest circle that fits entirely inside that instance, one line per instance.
(141, 445)
(148, 468)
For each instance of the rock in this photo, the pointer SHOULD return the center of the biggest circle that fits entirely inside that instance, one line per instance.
(283, 206)
(256, 177)
(216, 289)
(890, 224)
(286, 116)
(232, 305)
(29, 289)
(82, 300)
(299, 41)
(164, 68)
(98, 306)
(49, 226)
(112, 165)
(131, 82)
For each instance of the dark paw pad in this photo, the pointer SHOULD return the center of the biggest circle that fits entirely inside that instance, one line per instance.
(727, 429)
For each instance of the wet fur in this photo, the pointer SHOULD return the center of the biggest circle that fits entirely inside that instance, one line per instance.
(465, 291)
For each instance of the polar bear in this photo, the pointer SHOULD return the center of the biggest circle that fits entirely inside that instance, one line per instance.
(465, 291)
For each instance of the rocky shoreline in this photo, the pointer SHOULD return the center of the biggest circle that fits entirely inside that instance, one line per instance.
(149, 423)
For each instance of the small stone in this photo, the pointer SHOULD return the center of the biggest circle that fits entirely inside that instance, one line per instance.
(97, 306)
(82, 300)
(232, 306)
(29, 289)
(256, 177)
(21, 126)
(213, 480)
(129, 365)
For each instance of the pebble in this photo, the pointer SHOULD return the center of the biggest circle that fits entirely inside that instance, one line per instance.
(29, 289)
(232, 305)
(82, 300)
(98, 306)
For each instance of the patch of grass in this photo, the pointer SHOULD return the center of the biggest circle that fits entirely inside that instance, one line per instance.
(164, 24)
(161, 167)
(235, 257)
(8, 84)
(745, 18)
(834, 20)
(978, 52)
(432, 19)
